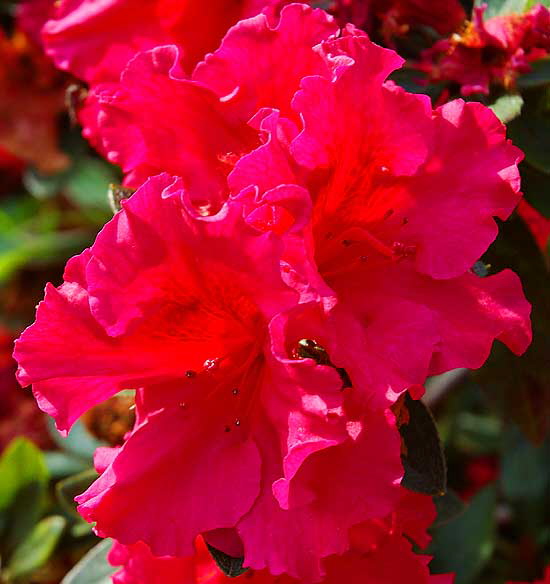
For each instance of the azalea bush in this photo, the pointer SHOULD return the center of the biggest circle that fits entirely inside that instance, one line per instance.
(296, 317)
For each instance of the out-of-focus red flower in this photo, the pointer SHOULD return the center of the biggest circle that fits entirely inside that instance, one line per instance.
(538, 224)
(32, 96)
(19, 414)
(493, 51)
(479, 472)
(395, 18)
(11, 168)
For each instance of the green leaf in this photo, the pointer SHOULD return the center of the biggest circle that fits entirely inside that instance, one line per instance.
(62, 464)
(423, 461)
(93, 568)
(88, 181)
(525, 473)
(78, 441)
(539, 74)
(23, 490)
(498, 7)
(230, 566)
(535, 187)
(21, 464)
(531, 132)
(43, 186)
(26, 248)
(507, 107)
(466, 543)
(448, 506)
(519, 387)
(67, 489)
(36, 549)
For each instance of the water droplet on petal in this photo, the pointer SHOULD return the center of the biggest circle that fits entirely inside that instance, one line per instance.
(211, 364)
(190, 373)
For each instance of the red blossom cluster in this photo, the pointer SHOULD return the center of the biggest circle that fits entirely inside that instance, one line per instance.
(492, 51)
(31, 97)
(297, 255)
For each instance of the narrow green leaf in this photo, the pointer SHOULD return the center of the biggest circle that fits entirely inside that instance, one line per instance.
(67, 489)
(423, 460)
(23, 491)
(21, 464)
(230, 566)
(93, 568)
(466, 543)
(36, 549)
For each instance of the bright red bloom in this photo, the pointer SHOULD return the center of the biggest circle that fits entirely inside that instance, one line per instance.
(381, 553)
(274, 459)
(493, 51)
(95, 39)
(403, 205)
(384, 189)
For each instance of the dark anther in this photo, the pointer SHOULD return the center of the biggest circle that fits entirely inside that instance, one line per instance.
(346, 381)
(227, 429)
(309, 349)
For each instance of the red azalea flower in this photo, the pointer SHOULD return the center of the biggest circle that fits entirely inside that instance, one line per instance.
(382, 188)
(274, 459)
(395, 202)
(94, 40)
(372, 559)
(490, 51)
